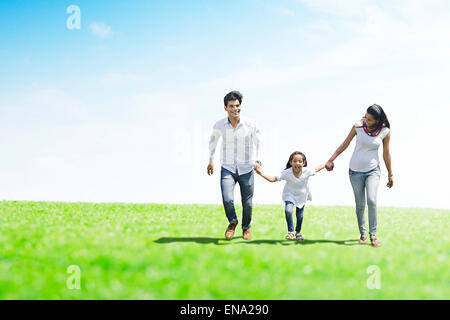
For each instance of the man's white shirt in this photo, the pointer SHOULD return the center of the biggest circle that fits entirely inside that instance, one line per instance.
(240, 147)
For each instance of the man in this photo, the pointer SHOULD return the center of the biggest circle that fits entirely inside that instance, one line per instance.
(240, 146)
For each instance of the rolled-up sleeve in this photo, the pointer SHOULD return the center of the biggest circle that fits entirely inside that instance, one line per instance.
(215, 136)
(257, 141)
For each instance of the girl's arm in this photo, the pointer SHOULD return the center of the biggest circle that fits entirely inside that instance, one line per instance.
(387, 160)
(318, 168)
(330, 165)
(268, 178)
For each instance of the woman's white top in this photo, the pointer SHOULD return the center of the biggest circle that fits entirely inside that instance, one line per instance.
(365, 156)
(296, 189)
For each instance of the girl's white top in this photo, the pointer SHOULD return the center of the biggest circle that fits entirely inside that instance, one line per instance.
(365, 155)
(296, 189)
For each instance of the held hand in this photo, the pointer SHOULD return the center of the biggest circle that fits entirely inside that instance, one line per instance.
(257, 168)
(210, 169)
(329, 165)
(390, 183)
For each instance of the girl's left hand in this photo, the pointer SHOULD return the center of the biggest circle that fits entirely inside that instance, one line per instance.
(390, 183)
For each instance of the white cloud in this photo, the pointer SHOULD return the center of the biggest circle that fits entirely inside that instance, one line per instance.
(393, 56)
(381, 38)
(285, 11)
(44, 105)
(321, 26)
(161, 107)
(101, 30)
(337, 7)
(114, 79)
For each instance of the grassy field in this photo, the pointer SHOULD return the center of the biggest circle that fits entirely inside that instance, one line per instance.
(131, 251)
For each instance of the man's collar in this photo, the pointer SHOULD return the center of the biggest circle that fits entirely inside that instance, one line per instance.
(228, 120)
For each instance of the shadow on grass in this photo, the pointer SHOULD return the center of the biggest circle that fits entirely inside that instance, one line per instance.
(200, 240)
(222, 241)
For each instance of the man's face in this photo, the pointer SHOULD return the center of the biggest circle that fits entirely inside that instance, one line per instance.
(233, 108)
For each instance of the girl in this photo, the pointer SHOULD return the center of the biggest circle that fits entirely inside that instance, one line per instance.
(372, 131)
(296, 190)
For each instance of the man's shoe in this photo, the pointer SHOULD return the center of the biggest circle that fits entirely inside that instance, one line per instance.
(229, 233)
(246, 234)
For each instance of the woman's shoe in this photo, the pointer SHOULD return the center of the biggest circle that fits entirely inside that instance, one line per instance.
(299, 237)
(363, 238)
(374, 241)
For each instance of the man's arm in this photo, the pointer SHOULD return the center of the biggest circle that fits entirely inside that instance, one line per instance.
(257, 142)
(215, 136)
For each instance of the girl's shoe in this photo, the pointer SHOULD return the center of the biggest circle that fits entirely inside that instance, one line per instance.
(374, 241)
(363, 238)
(290, 236)
(299, 237)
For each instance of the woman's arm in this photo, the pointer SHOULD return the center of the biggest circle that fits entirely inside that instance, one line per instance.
(268, 178)
(330, 165)
(387, 160)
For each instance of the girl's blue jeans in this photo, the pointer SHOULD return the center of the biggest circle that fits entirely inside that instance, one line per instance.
(366, 184)
(228, 181)
(288, 211)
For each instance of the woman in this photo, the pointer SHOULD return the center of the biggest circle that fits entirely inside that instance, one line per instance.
(364, 172)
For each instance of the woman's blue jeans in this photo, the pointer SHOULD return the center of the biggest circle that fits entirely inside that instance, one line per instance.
(228, 181)
(366, 183)
(288, 211)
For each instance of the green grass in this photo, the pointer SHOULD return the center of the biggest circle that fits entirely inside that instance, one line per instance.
(131, 251)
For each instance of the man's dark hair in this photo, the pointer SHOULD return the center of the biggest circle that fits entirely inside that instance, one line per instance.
(233, 95)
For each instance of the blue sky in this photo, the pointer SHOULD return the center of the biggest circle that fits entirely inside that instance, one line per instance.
(149, 32)
(121, 109)
(152, 37)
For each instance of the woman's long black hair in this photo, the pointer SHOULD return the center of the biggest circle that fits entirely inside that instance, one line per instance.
(288, 165)
(378, 114)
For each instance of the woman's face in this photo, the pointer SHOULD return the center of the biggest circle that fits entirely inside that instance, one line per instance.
(370, 120)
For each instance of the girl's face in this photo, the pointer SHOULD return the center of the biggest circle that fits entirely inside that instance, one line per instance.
(297, 162)
(370, 120)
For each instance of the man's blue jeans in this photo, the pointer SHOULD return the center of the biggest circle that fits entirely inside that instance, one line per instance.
(366, 183)
(246, 183)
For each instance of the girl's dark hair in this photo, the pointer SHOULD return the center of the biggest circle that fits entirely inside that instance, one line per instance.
(288, 165)
(233, 95)
(378, 113)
